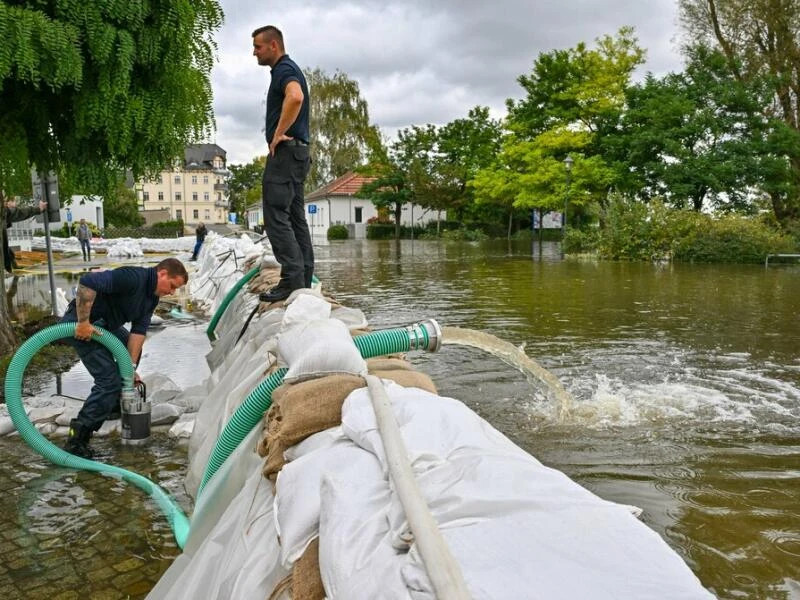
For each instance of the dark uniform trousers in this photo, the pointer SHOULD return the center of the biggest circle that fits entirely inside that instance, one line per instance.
(284, 213)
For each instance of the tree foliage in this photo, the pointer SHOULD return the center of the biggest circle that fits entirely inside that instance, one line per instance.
(91, 90)
(121, 208)
(244, 184)
(457, 151)
(761, 39)
(573, 97)
(695, 138)
(341, 134)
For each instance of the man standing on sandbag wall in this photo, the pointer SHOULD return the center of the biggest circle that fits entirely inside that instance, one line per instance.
(288, 163)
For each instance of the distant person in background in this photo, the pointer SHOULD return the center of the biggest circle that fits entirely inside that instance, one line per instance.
(85, 237)
(200, 232)
(14, 214)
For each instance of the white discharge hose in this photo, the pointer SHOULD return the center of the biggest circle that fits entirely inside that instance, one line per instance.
(443, 571)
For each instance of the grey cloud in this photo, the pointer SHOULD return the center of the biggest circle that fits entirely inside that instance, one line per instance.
(419, 61)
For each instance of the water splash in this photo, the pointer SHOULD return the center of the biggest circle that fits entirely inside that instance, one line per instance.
(517, 358)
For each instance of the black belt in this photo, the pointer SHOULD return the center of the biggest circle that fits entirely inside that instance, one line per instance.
(295, 142)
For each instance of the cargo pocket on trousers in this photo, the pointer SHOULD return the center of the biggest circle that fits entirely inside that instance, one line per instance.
(278, 194)
(301, 163)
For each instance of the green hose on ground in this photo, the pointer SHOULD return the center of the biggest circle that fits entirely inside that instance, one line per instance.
(13, 389)
(425, 335)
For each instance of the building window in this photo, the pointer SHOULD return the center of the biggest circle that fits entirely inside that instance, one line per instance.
(206, 196)
(178, 214)
(145, 196)
(160, 196)
(205, 179)
(194, 179)
(359, 216)
(195, 214)
(194, 196)
(177, 196)
(177, 178)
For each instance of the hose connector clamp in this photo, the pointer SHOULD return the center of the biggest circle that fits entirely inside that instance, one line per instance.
(425, 335)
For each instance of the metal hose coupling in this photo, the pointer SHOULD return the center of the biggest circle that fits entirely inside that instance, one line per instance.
(425, 335)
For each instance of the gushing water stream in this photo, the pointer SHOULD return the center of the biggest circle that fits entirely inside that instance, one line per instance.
(510, 354)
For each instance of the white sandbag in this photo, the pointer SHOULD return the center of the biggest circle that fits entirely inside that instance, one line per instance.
(318, 441)
(183, 427)
(160, 388)
(165, 414)
(6, 426)
(297, 500)
(236, 559)
(518, 529)
(306, 308)
(319, 348)
(44, 414)
(356, 562)
(432, 426)
(352, 317)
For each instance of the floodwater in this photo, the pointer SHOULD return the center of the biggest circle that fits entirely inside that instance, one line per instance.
(685, 381)
(684, 387)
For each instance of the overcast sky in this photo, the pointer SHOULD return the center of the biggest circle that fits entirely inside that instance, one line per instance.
(418, 61)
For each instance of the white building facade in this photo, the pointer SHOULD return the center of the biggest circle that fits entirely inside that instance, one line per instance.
(336, 204)
(194, 189)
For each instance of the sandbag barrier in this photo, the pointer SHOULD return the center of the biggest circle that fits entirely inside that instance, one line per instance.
(425, 335)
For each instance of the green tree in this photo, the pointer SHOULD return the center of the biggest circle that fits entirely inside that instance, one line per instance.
(341, 134)
(244, 184)
(761, 38)
(693, 137)
(573, 97)
(91, 91)
(457, 151)
(121, 209)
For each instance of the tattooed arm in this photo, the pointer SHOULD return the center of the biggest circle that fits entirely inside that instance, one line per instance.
(83, 309)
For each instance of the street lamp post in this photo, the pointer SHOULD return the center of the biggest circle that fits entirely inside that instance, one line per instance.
(568, 166)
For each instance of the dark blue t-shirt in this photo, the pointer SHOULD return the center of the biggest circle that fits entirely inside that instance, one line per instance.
(124, 294)
(283, 72)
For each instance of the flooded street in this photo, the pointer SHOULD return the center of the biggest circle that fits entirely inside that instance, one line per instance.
(685, 386)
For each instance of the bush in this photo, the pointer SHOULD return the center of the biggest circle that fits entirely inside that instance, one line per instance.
(579, 241)
(380, 231)
(467, 235)
(337, 232)
(732, 239)
(637, 231)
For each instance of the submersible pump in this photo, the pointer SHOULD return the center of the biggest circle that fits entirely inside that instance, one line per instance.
(135, 416)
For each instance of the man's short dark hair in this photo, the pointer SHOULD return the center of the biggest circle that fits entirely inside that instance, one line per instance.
(270, 33)
(174, 268)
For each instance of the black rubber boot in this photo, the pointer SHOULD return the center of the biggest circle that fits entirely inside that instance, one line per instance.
(78, 440)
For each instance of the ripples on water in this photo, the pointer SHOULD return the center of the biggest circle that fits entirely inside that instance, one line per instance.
(686, 387)
(684, 378)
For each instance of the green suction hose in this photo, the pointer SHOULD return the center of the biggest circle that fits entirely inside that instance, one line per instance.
(212, 325)
(228, 299)
(425, 335)
(13, 389)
